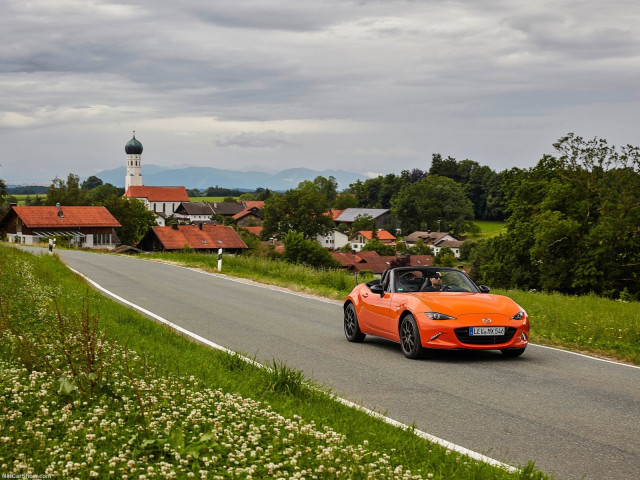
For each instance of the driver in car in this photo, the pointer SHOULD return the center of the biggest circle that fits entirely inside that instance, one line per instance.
(436, 284)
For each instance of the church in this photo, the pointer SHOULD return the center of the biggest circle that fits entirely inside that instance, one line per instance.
(162, 201)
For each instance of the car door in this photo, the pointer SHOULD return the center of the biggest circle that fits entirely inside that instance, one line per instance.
(375, 312)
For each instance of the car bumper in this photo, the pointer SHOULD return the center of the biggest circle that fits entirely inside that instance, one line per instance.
(456, 337)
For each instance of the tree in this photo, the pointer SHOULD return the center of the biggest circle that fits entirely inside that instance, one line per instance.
(445, 258)
(133, 216)
(3, 191)
(573, 224)
(434, 200)
(419, 248)
(67, 193)
(345, 200)
(298, 249)
(327, 187)
(101, 193)
(303, 210)
(364, 222)
(91, 183)
(382, 249)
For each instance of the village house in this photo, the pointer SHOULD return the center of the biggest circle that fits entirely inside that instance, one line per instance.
(437, 241)
(357, 262)
(349, 215)
(333, 240)
(248, 217)
(200, 237)
(192, 212)
(84, 226)
(361, 238)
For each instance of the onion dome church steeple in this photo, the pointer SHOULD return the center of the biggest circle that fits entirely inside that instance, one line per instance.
(133, 149)
(133, 146)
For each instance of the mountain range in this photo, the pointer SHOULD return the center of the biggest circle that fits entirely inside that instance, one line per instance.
(205, 177)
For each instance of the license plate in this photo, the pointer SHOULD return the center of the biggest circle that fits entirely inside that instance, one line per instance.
(479, 331)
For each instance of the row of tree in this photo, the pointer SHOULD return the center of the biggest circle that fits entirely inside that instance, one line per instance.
(573, 225)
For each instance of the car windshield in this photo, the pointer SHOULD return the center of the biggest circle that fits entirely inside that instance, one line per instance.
(426, 280)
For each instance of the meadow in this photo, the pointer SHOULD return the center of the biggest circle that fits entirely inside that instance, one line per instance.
(92, 389)
(207, 199)
(488, 229)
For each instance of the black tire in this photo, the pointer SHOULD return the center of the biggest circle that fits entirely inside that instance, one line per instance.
(410, 337)
(351, 326)
(512, 352)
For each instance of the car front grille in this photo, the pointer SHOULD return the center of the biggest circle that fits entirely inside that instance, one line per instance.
(464, 337)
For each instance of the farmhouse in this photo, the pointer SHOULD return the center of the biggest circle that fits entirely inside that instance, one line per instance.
(90, 227)
(197, 237)
(194, 212)
(349, 215)
(333, 240)
(360, 239)
(436, 240)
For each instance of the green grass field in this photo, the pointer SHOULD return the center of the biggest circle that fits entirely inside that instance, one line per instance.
(100, 391)
(488, 229)
(207, 199)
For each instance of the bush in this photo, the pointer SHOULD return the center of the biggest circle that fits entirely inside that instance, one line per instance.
(307, 252)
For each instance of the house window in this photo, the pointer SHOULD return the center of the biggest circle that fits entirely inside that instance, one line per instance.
(101, 239)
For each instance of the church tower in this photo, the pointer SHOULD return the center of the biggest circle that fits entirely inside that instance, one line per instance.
(134, 164)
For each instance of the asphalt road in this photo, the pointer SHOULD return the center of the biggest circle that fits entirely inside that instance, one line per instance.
(575, 416)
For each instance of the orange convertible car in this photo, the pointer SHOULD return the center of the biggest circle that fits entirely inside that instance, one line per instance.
(435, 307)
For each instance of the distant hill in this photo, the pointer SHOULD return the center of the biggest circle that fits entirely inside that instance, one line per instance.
(204, 177)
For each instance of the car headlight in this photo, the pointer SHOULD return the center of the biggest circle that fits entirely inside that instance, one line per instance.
(439, 316)
(519, 316)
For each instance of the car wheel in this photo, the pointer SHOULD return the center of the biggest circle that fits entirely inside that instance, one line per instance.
(351, 327)
(512, 352)
(410, 337)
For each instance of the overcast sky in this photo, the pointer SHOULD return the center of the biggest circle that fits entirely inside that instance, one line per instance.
(365, 86)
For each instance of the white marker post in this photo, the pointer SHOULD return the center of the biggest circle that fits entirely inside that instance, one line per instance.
(219, 260)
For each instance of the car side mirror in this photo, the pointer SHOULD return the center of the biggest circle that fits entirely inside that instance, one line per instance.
(484, 289)
(378, 288)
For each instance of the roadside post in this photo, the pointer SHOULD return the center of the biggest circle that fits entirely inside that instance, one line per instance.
(219, 260)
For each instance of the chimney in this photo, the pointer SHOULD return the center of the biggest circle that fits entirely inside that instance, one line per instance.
(200, 226)
(174, 226)
(58, 205)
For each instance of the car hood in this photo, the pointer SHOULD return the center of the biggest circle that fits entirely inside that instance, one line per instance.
(459, 303)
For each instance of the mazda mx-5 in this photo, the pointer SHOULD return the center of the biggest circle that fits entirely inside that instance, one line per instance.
(435, 308)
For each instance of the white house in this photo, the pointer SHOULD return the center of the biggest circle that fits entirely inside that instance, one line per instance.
(437, 241)
(334, 240)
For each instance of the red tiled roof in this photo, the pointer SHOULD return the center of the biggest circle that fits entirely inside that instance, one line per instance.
(158, 194)
(254, 230)
(335, 214)
(367, 254)
(47, 217)
(259, 204)
(382, 235)
(209, 237)
(346, 259)
(418, 260)
(248, 211)
(376, 265)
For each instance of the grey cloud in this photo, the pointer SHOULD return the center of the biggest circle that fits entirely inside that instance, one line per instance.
(268, 140)
(482, 80)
